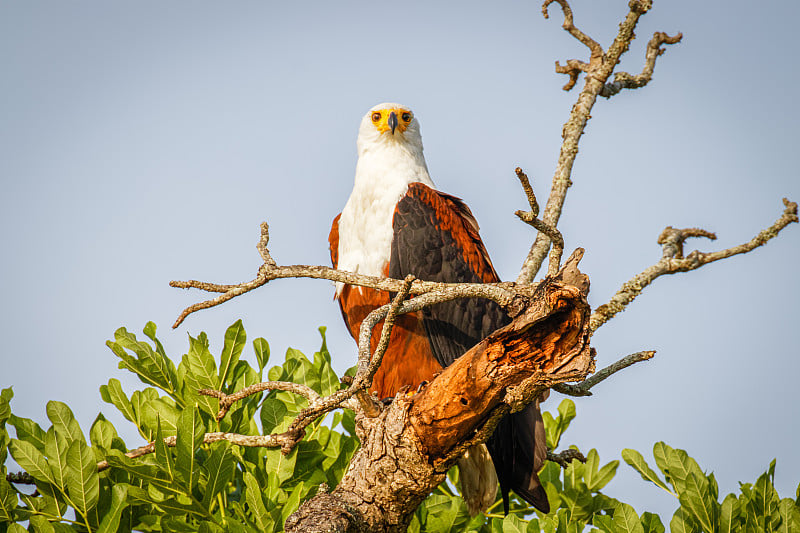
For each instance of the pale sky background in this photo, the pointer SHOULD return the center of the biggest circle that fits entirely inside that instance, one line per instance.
(145, 141)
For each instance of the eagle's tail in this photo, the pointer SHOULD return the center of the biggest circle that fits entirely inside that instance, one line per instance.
(519, 450)
(478, 479)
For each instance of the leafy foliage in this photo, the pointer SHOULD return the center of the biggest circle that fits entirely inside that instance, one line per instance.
(219, 487)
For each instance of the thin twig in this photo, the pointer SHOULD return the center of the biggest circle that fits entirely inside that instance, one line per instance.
(530, 218)
(21, 478)
(250, 441)
(582, 388)
(624, 80)
(263, 251)
(226, 400)
(565, 457)
(500, 292)
(365, 373)
(672, 261)
(595, 49)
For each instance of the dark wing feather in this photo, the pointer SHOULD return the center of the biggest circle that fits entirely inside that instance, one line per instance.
(436, 239)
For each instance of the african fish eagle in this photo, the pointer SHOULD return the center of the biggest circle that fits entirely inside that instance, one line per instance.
(396, 223)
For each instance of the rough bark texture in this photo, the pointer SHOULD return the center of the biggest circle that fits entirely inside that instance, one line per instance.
(406, 450)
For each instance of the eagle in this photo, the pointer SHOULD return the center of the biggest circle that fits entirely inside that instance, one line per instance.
(396, 223)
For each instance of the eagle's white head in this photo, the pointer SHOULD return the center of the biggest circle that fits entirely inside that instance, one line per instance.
(389, 125)
(389, 159)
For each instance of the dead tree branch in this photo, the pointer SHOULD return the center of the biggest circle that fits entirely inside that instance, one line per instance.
(502, 293)
(565, 457)
(226, 400)
(624, 80)
(599, 68)
(673, 261)
(407, 449)
(249, 441)
(530, 218)
(582, 388)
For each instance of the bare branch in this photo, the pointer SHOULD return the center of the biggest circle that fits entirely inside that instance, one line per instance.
(21, 478)
(367, 368)
(226, 400)
(263, 251)
(673, 261)
(582, 388)
(573, 69)
(568, 25)
(526, 186)
(598, 70)
(502, 293)
(565, 457)
(529, 217)
(623, 80)
(250, 441)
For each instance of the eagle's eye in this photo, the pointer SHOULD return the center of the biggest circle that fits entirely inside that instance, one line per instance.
(407, 117)
(376, 117)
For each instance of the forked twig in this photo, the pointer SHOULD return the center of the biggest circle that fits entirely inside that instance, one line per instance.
(673, 261)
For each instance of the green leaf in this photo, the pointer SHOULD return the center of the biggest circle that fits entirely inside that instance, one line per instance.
(680, 467)
(190, 436)
(151, 367)
(790, 516)
(163, 456)
(445, 513)
(16, 528)
(577, 501)
(682, 522)
(219, 468)
(695, 498)
(83, 481)
(5, 404)
(64, 421)
(597, 479)
(29, 431)
(293, 501)
(282, 465)
(605, 523)
(652, 523)
(566, 411)
(113, 394)
(626, 520)
(31, 460)
(638, 463)
(110, 522)
(729, 514)
(163, 411)
(8, 500)
(513, 524)
(261, 347)
(329, 381)
(201, 374)
(273, 414)
(140, 470)
(235, 339)
(258, 512)
(56, 447)
(660, 452)
(39, 524)
(102, 433)
(211, 527)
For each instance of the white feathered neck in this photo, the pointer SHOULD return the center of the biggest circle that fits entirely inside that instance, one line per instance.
(387, 164)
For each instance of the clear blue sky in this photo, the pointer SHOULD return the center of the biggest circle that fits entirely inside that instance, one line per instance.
(145, 141)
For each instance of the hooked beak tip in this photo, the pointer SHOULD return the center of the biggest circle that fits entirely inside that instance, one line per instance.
(392, 121)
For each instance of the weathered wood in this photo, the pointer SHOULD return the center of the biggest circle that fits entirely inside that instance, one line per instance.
(406, 450)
